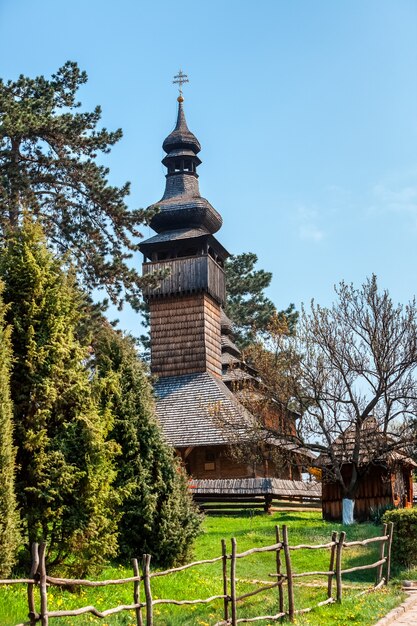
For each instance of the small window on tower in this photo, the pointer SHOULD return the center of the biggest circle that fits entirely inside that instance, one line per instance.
(177, 166)
(187, 166)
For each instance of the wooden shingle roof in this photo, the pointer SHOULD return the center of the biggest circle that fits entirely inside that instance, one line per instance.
(375, 447)
(198, 409)
(276, 487)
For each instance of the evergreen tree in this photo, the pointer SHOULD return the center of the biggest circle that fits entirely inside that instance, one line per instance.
(248, 307)
(48, 153)
(158, 515)
(9, 516)
(65, 466)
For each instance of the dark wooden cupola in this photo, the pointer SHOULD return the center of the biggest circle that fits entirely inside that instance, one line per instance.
(185, 305)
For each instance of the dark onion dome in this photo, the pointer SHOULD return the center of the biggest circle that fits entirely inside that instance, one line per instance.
(181, 136)
(182, 205)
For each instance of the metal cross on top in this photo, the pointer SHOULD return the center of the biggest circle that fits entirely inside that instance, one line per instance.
(179, 80)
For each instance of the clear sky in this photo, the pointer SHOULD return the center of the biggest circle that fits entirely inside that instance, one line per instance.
(306, 112)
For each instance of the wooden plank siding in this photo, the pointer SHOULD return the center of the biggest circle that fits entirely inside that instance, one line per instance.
(217, 462)
(185, 335)
(187, 275)
(376, 490)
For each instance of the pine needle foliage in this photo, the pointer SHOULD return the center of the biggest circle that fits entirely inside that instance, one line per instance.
(158, 515)
(48, 166)
(250, 310)
(65, 463)
(9, 516)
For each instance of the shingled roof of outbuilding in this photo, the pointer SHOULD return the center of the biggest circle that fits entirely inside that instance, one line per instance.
(375, 447)
(198, 409)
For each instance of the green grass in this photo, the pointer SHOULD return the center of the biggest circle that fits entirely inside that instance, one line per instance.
(251, 530)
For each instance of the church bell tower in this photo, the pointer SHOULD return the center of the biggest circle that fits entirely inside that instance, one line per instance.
(185, 305)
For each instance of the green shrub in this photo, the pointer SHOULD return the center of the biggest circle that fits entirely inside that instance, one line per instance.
(377, 513)
(404, 545)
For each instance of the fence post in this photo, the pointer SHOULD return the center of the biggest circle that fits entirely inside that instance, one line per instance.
(233, 583)
(43, 586)
(381, 556)
(148, 593)
(31, 595)
(331, 566)
(390, 535)
(279, 575)
(290, 584)
(339, 550)
(225, 590)
(136, 592)
(268, 503)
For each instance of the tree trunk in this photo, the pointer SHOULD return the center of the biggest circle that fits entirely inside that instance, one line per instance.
(348, 505)
(14, 189)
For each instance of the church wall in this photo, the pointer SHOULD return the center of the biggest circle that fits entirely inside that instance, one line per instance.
(185, 333)
(216, 462)
(213, 462)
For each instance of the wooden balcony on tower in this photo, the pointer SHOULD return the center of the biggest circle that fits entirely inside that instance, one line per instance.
(187, 275)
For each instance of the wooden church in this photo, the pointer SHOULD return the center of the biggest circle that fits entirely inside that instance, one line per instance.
(193, 356)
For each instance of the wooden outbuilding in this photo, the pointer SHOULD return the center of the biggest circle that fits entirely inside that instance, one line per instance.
(385, 474)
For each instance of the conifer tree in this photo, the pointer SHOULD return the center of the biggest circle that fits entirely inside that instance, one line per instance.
(48, 154)
(9, 517)
(158, 515)
(65, 466)
(248, 307)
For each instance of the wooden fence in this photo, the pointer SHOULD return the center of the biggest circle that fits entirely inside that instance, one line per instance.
(141, 582)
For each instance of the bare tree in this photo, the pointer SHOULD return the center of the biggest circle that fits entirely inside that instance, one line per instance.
(357, 384)
(349, 374)
(265, 435)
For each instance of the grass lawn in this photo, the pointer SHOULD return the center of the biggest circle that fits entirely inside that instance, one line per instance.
(251, 530)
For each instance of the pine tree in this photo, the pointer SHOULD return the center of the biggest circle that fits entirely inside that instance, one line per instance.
(9, 516)
(48, 166)
(65, 466)
(248, 307)
(158, 515)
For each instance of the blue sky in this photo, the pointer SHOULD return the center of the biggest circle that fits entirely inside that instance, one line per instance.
(306, 112)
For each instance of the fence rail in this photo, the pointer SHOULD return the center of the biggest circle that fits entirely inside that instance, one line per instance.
(40, 580)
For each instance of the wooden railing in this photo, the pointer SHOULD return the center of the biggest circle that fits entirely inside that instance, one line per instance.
(39, 579)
